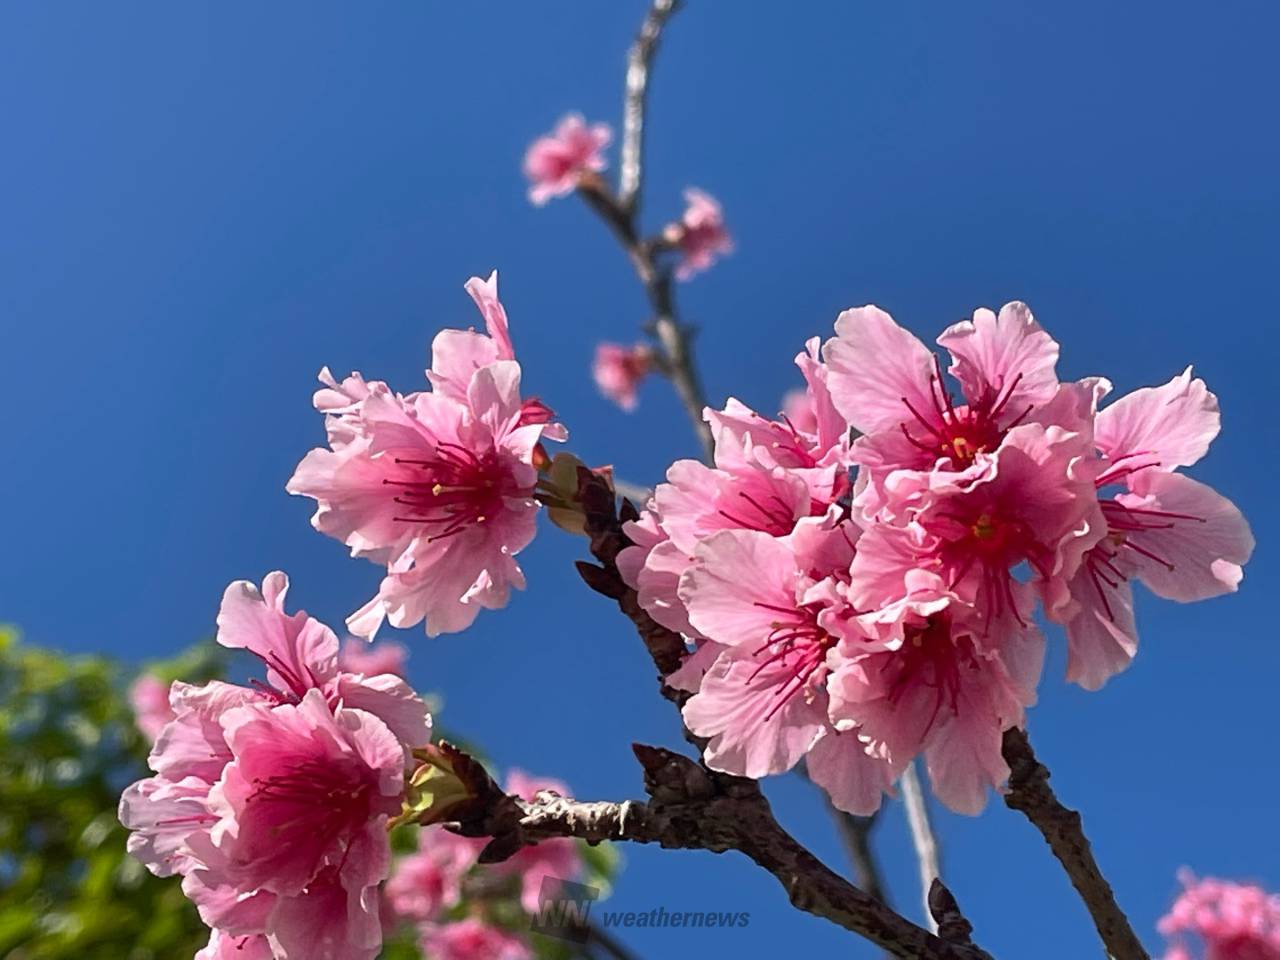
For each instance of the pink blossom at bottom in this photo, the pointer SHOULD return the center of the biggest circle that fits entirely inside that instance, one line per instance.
(1230, 921)
(471, 939)
(427, 882)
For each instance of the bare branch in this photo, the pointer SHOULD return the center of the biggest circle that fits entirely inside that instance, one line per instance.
(1029, 793)
(638, 62)
(922, 837)
(695, 809)
(620, 213)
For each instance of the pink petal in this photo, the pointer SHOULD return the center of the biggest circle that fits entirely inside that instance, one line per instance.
(1172, 425)
(991, 352)
(874, 364)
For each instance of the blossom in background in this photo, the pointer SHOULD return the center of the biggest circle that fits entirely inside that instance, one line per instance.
(272, 800)
(435, 486)
(618, 371)
(149, 697)
(555, 163)
(861, 624)
(471, 939)
(557, 857)
(1227, 921)
(428, 882)
(700, 234)
(385, 656)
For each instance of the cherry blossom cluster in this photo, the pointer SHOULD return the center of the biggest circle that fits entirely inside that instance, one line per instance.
(452, 900)
(436, 486)
(858, 579)
(572, 156)
(273, 800)
(1219, 920)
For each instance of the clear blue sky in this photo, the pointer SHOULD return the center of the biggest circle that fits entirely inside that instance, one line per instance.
(204, 203)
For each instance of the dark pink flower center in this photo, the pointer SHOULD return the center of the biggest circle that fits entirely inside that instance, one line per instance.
(994, 541)
(797, 645)
(455, 489)
(931, 657)
(316, 800)
(960, 433)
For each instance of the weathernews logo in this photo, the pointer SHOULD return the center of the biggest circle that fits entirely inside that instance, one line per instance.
(564, 912)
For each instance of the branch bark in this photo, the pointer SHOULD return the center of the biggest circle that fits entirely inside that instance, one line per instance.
(696, 809)
(620, 212)
(631, 169)
(1030, 794)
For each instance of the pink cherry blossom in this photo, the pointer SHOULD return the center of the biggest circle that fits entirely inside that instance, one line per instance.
(1179, 537)
(472, 939)
(426, 883)
(435, 486)
(556, 163)
(768, 475)
(149, 697)
(890, 388)
(700, 235)
(618, 371)
(272, 801)
(810, 433)
(383, 657)
(775, 609)
(1029, 502)
(940, 682)
(1228, 921)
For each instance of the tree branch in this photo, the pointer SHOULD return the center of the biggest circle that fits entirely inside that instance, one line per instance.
(695, 809)
(630, 174)
(922, 837)
(620, 213)
(1029, 793)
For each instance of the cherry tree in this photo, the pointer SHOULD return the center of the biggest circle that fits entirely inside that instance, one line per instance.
(853, 588)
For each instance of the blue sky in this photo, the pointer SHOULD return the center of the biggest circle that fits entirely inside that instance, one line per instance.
(204, 203)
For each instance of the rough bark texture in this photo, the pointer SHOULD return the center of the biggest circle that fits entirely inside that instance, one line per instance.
(1030, 794)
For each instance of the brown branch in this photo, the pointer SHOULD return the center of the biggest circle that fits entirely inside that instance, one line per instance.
(692, 806)
(620, 213)
(695, 809)
(1029, 793)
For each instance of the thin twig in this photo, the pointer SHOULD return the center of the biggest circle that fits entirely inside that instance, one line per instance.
(630, 174)
(1029, 793)
(922, 836)
(855, 835)
(620, 213)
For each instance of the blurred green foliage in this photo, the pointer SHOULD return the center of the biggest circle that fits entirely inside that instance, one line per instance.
(68, 746)
(68, 890)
